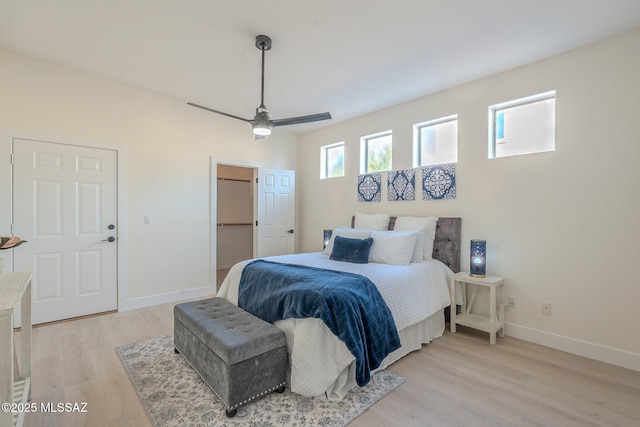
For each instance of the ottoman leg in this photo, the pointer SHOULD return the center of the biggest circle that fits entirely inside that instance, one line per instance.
(231, 413)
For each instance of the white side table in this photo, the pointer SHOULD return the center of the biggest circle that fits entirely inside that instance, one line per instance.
(15, 380)
(495, 321)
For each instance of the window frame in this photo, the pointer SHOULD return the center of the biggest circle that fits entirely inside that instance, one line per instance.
(364, 150)
(417, 141)
(324, 160)
(492, 141)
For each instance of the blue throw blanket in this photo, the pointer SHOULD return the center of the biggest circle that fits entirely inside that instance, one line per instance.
(349, 304)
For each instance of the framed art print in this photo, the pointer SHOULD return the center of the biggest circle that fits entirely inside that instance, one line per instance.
(369, 187)
(439, 182)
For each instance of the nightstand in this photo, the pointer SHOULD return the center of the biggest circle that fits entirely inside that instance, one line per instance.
(495, 321)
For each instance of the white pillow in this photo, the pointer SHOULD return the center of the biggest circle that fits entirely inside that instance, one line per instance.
(351, 233)
(393, 247)
(429, 224)
(371, 221)
(418, 250)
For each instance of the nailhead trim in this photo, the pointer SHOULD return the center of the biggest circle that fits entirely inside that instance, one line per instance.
(252, 398)
(237, 405)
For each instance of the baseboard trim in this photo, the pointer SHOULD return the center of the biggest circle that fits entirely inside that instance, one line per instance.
(141, 302)
(599, 352)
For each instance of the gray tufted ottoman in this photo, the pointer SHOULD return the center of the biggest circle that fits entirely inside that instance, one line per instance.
(240, 356)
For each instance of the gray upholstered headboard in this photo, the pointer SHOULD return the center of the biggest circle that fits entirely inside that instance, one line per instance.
(446, 247)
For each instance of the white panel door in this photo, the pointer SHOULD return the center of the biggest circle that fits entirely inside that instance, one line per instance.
(276, 212)
(65, 206)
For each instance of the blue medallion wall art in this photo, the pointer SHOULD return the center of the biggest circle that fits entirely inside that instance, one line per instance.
(401, 185)
(439, 182)
(369, 187)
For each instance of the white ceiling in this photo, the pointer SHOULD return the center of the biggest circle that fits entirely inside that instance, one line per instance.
(349, 57)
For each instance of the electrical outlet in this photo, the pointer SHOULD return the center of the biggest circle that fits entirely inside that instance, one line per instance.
(546, 308)
(512, 301)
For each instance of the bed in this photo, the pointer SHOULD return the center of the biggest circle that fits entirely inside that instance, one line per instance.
(416, 294)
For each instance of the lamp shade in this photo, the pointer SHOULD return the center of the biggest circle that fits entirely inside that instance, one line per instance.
(478, 267)
(326, 235)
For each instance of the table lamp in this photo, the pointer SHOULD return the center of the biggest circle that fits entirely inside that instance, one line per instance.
(478, 258)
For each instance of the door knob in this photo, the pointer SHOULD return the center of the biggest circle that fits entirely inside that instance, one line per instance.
(109, 239)
(290, 231)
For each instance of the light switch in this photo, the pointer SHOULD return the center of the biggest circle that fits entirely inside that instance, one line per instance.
(147, 219)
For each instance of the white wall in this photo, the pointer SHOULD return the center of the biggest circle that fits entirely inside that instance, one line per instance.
(561, 227)
(169, 147)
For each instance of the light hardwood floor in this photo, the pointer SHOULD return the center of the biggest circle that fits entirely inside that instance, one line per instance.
(458, 379)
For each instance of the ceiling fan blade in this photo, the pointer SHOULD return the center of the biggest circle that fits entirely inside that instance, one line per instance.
(301, 119)
(219, 112)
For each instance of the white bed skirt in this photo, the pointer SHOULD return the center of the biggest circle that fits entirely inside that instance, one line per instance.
(411, 339)
(414, 336)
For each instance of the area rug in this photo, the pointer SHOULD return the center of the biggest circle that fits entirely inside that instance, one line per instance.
(173, 394)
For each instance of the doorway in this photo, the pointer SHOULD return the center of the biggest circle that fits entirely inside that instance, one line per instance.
(254, 211)
(234, 217)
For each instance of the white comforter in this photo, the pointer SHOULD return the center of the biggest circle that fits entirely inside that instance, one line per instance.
(321, 364)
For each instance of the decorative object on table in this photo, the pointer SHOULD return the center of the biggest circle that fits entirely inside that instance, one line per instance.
(10, 242)
(401, 185)
(173, 394)
(478, 258)
(439, 182)
(369, 187)
(326, 236)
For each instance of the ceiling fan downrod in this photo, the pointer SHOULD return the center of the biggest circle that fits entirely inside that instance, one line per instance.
(263, 43)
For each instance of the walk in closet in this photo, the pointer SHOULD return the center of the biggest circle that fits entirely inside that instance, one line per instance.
(234, 215)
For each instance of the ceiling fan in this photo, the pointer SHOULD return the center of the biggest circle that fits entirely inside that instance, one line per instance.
(261, 122)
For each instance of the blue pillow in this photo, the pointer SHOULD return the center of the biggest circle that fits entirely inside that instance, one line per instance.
(351, 250)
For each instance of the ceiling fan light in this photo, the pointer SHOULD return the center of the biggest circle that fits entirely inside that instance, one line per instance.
(262, 129)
